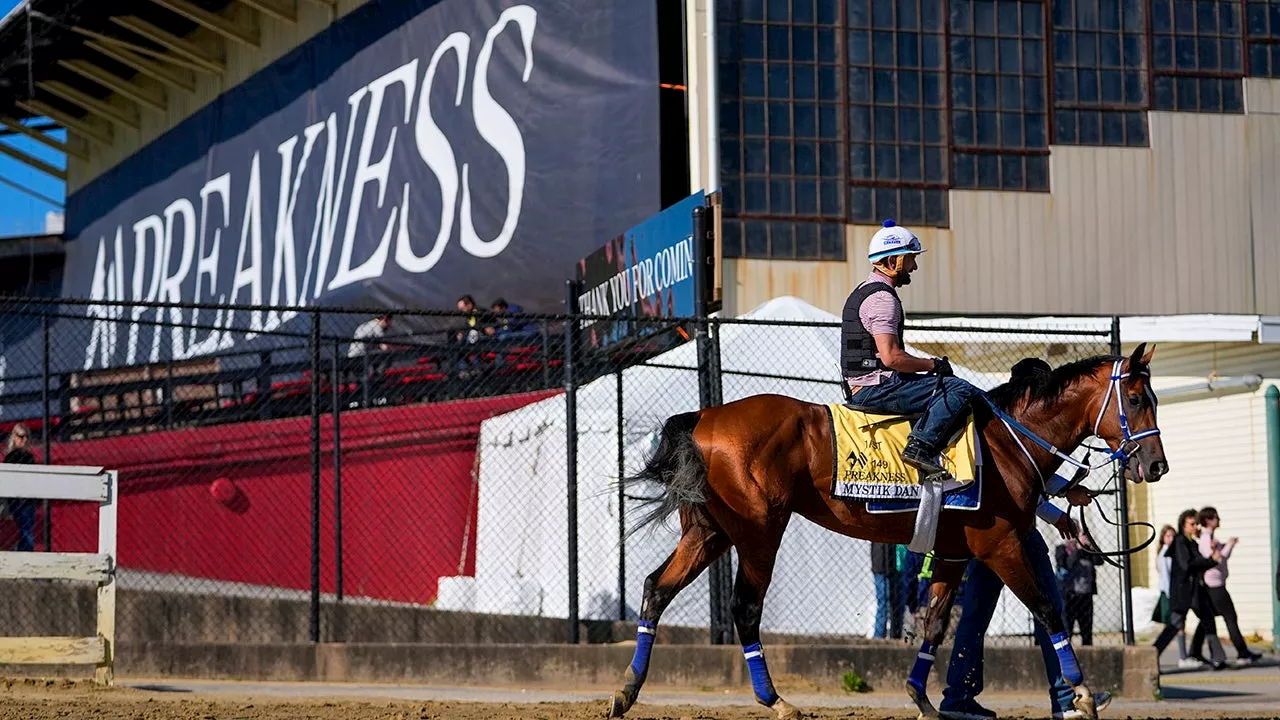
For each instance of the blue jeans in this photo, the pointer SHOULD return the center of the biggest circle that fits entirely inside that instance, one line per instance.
(24, 516)
(889, 606)
(909, 393)
(982, 591)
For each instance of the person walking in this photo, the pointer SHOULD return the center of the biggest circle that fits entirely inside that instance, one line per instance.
(1215, 586)
(1160, 614)
(1185, 591)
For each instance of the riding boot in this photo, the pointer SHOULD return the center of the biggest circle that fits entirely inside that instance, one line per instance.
(923, 458)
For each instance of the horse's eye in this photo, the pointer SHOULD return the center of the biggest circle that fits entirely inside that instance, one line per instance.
(1135, 400)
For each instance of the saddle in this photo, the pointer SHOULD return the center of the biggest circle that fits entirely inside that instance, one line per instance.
(867, 465)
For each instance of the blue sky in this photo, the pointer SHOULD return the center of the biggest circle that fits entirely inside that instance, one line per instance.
(21, 214)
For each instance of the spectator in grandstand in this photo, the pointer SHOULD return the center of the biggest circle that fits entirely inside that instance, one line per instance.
(369, 330)
(504, 327)
(471, 332)
(1215, 586)
(22, 509)
(1077, 577)
(500, 325)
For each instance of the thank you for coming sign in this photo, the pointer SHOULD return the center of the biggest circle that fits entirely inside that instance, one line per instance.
(646, 272)
(412, 152)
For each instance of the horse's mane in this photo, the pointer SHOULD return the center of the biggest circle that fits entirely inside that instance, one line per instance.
(1045, 387)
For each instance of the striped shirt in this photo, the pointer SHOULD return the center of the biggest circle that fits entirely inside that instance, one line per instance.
(879, 315)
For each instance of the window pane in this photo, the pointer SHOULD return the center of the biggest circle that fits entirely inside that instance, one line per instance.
(1011, 172)
(886, 203)
(861, 205)
(807, 241)
(935, 207)
(988, 172)
(910, 206)
(780, 197)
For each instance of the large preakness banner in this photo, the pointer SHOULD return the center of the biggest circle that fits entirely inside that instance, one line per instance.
(412, 152)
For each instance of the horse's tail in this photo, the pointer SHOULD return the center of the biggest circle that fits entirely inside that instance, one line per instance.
(678, 466)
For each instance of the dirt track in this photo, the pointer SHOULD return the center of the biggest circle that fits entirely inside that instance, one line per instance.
(47, 700)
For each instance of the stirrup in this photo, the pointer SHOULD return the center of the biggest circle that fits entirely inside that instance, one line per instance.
(941, 476)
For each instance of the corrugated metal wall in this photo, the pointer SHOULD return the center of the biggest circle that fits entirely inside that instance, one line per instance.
(242, 61)
(1218, 456)
(1187, 225)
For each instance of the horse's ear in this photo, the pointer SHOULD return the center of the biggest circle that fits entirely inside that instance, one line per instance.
(1146, 358)
(1139, 357)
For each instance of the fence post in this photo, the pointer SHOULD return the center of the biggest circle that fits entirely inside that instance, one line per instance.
(571, 448)
(46, 419)
(314, 346)
(335, 381)
(1122, 509)
(622, 518)
(721, 571)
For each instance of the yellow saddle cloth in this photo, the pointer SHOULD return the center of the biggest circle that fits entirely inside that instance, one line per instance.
(867, 456)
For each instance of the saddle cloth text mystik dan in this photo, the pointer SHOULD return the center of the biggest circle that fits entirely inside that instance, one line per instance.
(867, 456)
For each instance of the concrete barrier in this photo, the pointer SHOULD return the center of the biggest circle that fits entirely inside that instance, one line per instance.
(1131, 672)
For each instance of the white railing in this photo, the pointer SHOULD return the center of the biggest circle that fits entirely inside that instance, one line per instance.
(67, 482)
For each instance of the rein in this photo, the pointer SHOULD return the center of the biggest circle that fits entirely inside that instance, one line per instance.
(1084, 526)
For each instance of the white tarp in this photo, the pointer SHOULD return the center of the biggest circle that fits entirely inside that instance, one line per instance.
(822, 581)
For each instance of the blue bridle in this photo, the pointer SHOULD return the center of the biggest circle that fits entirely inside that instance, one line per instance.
(1125, 448)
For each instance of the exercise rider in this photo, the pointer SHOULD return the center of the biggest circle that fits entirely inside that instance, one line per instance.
(883, 377)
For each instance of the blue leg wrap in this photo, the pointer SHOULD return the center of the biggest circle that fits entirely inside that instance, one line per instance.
(644, 646)
(919, 677)
(1067, 658)
(760, 681)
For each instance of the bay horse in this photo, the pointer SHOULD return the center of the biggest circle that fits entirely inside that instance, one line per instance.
(737, 472)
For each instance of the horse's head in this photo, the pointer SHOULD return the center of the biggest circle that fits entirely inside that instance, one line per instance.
(1126, 417)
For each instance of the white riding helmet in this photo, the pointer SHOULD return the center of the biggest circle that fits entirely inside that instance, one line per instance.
(893, 240)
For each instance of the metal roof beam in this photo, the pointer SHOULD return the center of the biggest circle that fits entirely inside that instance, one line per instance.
(52, 143)
(31, 193)
(83, 128)
(213, 21)
(34, 162)
(175, 79)
(127, 116)
(178, 46)
(147, 97)
(134, 47)
(282, 10)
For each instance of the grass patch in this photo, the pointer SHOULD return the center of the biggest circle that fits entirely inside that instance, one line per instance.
(853, 682)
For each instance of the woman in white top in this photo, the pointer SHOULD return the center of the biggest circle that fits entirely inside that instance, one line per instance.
(1164, 564)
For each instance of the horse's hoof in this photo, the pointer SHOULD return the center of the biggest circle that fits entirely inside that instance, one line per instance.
(1084, 702)
(923, 704)
(786, 711)
(618, 705)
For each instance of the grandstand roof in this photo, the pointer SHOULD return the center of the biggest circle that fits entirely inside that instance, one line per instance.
(56, 55)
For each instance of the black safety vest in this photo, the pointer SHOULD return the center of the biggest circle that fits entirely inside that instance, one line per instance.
(858, 355)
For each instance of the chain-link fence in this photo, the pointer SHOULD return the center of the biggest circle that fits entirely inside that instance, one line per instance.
(330, 474)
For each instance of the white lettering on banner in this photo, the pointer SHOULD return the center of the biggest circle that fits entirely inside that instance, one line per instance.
(378, 172)
(177, 252)
(251, 276)
(207, 263)
(498, 129)
(153, 226)
(171, 286)
(437, 154)
(648, 277)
